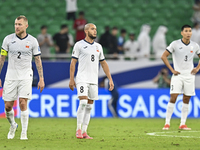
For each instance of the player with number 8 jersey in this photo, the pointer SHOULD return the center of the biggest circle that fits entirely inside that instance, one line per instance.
(88, 53)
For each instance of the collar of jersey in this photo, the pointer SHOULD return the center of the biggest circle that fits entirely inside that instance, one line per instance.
(184, 43)
(21, 38)
(88, 42)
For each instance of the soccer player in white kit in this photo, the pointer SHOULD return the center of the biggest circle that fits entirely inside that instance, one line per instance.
(183, 78)
(88, 53)
(20, 48)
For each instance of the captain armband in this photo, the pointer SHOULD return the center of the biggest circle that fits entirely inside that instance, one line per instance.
(4, 52)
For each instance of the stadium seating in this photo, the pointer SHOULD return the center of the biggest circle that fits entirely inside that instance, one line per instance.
(128, 14)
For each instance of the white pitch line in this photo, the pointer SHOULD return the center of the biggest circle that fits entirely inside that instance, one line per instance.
(156, 134)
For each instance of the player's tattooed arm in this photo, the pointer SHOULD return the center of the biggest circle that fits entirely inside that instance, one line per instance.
(2, 60)
(38, 63)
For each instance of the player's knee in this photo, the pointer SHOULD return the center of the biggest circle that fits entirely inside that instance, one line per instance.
(172, 100)
(89, 106)
(8, 107)
(83, 103)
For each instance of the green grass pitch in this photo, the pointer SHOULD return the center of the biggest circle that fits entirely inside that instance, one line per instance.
(108, 134)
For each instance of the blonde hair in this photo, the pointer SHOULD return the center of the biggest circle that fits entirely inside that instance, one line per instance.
(87, 26)
(22, 17)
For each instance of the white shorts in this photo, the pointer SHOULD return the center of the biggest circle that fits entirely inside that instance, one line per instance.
(87, 89)
(13, 89)
(183, 84)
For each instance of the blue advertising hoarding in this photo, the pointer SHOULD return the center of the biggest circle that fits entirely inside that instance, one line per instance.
(132, 103)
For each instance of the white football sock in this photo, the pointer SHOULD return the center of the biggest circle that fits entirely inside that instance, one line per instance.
(184, 113)
(170, 110)
(10, 115)
(80, 113)
(86, 119)
(24, 120)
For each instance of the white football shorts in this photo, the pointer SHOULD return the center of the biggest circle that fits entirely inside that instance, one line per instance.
(13, 89)
(87, 89)
(183, 84)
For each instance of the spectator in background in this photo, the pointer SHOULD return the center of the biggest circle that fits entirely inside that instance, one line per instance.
(61, 39)
(71, 8)
(144, 41)
(113, 43)
(105, 38)
(196, 33)
(131, 47)
(196, 13)
(45, 42)
(79, 25)
(163, 78)
(159, 43)
(121, 41)
(112, 103)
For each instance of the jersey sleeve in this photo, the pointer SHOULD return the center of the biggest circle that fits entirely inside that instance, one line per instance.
(198, 50)
(75, 52)
(5, 44)
(101, 56)
(36, 48)
(170, 48)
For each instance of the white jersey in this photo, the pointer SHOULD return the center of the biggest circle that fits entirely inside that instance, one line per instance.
(20, 53)
(183, 55)
(88, 55)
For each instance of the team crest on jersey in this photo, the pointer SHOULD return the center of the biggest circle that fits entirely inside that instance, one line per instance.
(191, 51)
(27, 46)
(97, 48)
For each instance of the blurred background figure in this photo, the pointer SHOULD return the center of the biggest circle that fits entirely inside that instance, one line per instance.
(159, 43)
(45, 42)
(196, 33)
(71, 8)
(105, 38)
(131, 47)
(112, 103)
(196, 13)
(144, 41)
(61, 39)
(79, 25)
(163, 78)
(113, 43)
(121, 41)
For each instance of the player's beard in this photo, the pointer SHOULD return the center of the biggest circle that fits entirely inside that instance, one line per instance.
(20, 33)
(91, 36)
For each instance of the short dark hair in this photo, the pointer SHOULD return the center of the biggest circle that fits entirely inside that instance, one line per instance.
(63, 26)
(123, 30)
(114, 28)
(43, 27)
(81, 13)
(185, 26)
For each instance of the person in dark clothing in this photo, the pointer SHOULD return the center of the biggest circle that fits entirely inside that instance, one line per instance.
(105, 38)
(112, 103)
(62, 40)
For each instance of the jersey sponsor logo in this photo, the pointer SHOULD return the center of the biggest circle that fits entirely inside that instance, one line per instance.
(180, 47)
(13, 42)
(27, 46)
(85, 47)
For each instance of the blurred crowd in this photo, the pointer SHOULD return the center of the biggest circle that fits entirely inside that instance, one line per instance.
(117, 43)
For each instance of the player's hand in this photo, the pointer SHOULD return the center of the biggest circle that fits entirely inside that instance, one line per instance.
(111, 84)
(0, 83)
(41, 85)
(194, 71)
(175, 72)
(72, 84)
